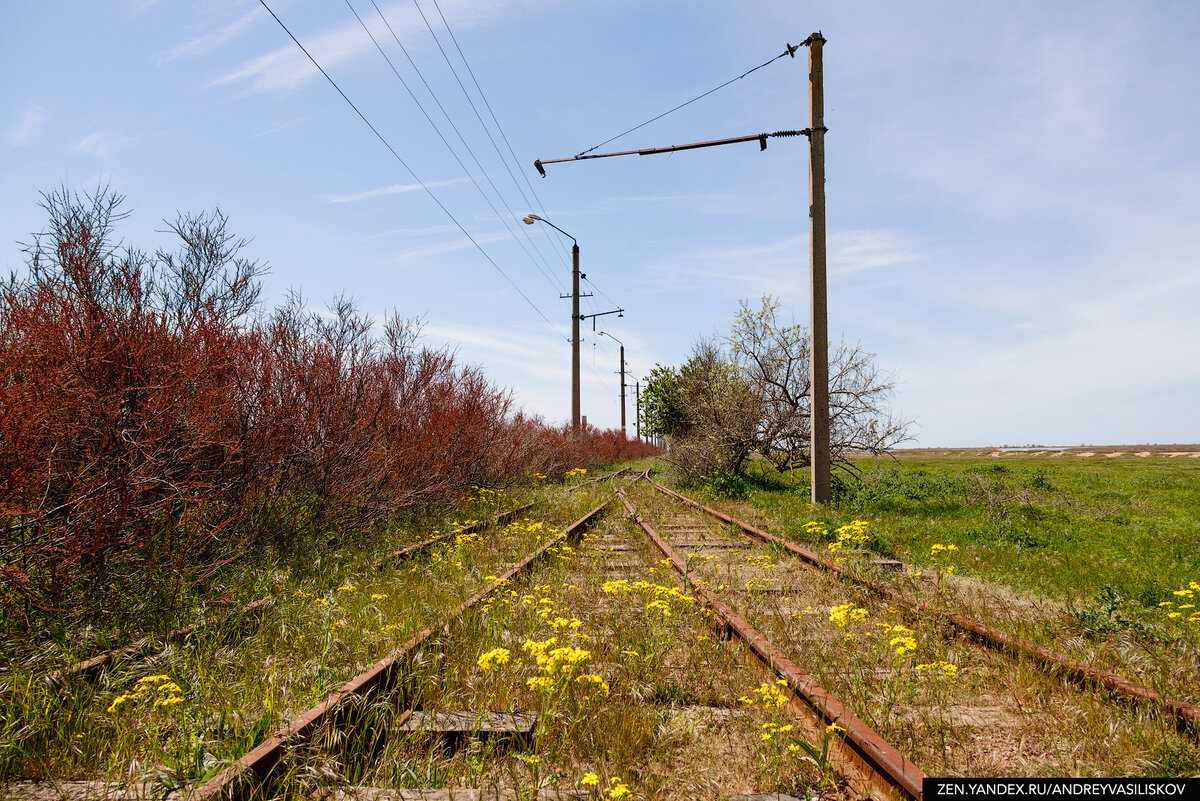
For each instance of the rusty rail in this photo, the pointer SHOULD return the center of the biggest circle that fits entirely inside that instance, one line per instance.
(862, 746)
(237, 781)
(89, 667)
(595, 479)
(1185, 714)
(425, 545)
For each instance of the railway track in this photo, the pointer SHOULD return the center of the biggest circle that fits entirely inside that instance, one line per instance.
(254, 770)
(1187, 714)
(871, 765)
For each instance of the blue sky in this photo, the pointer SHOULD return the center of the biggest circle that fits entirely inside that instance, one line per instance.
(1013, 187)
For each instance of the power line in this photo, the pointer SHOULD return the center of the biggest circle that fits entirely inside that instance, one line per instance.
(411, 94)
(791, 51)
(404, 164)
(475, 109)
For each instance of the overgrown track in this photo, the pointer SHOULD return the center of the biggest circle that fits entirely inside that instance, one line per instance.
(255, 768)
(425, 545)
(1185, 714)
(89, 668)
(869, 764)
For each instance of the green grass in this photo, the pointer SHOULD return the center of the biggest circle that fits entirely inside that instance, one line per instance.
(1069, 528)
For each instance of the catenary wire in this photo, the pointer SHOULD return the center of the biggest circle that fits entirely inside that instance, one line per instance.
(495, 119)
(503, 219)
(471, 102)
(408, 169)
(791, 51)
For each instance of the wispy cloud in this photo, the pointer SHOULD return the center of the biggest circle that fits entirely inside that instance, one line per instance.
(286, 69)
(459, 243)
(209, 41)
(28, 126)
(101, 144)
(868, 249)
(394, 189)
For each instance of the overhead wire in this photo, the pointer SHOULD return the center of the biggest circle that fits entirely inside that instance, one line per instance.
(503, 220)
(471, 103)
(407, 168)
(791, 51)
(495, 119)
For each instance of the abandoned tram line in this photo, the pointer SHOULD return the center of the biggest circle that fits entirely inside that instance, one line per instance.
(869, 764)
(1186, 715)
(242, 780)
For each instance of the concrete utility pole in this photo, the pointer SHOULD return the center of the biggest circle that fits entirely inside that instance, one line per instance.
(530, 219)
(637, 408)
(819, 333)
(623, 392)
(574, 336)
(622, 344)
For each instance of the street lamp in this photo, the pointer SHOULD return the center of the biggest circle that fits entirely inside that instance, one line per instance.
(622, 344)
(530, 219)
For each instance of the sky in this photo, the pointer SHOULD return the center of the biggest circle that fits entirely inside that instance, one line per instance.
(1013, 188)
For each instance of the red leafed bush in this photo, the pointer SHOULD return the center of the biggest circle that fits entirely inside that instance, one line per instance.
(155, 424)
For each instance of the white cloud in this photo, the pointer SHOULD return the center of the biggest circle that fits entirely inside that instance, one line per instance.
(867, 249)
(286, 69)
(210, 41)
(394, 189)
(28, 126)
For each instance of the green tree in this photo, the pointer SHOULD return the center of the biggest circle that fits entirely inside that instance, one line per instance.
(661, 413)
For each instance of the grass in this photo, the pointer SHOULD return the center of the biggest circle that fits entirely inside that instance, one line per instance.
(632, 686)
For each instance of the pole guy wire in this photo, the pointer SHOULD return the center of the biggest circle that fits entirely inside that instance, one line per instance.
(791, 51)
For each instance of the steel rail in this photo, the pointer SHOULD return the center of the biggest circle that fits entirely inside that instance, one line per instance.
(424, 545)
(593, 480)
(1186, 715)
(861, 746)
(237, 781)
(57, 678)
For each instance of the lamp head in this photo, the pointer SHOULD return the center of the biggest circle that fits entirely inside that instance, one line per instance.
(530, 219)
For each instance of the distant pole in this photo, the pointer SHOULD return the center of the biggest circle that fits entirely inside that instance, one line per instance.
(637, 408)
(819, 357)
(623, 392)
(575, 338)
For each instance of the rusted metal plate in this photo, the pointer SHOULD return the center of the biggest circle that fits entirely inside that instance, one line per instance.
(445, 794)
(482, 724)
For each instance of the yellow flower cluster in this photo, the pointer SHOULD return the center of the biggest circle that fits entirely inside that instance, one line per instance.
(853, 535)
(616, 789)
(845, 614)
(902, 638)
(161, 689)
(770, 730)
(940, 548)
(552, 660)
(941, 668)
(769, 694)
(578, 471)
(496, 656)
(1178, 610)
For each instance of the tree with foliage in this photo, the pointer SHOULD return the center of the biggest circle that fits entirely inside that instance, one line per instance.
(751, 393)
(661, 414)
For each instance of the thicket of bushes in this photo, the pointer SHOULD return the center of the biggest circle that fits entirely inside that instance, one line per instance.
(157, 423)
